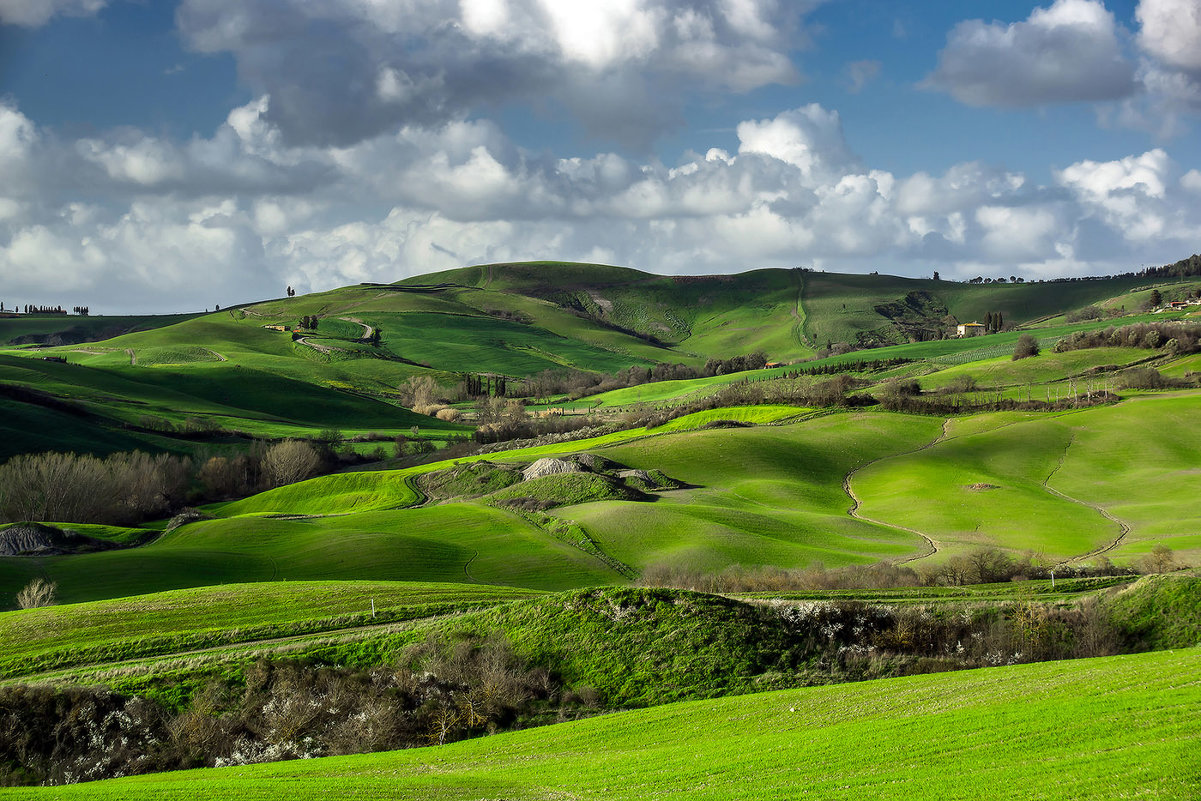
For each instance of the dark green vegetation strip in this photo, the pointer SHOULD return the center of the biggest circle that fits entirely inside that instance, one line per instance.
(1090, 729)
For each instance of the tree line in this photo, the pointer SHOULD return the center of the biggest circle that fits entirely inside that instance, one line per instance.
(1174, 337)
(129, 488)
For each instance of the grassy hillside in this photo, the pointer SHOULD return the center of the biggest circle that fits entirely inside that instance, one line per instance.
(1098, 728)
(1070, 486)
(57, 329)
(181, 620)
(1103, 480)
(229, 369)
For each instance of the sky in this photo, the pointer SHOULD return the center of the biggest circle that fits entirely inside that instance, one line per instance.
(161, 156)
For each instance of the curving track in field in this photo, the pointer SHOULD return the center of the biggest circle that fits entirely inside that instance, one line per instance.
(931, 543)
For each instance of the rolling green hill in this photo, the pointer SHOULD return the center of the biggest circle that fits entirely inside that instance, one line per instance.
(232, 370)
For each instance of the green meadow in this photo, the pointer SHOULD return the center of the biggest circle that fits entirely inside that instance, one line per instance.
(351, 568)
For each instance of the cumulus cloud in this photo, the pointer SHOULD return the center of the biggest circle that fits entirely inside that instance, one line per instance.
(343, 71)
(1171, 32)
(1065, 53)
(34, 13)
(241, 213)
(809, 138)
(860, 73)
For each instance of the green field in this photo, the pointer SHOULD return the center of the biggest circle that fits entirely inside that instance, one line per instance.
(353, 572)
(1069, 486)
(181, 620)
(1089, 729)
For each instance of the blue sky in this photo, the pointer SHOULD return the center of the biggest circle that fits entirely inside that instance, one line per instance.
(168, 156)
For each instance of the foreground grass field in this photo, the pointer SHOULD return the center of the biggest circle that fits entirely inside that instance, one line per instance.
(1088, 729)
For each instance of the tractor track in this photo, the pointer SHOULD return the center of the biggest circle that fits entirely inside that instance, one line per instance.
(1123, 527)
(931, 544)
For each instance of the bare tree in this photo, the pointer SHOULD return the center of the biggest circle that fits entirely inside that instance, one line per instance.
(1161, 560)
(419, 391)
(290, 461)
(38, 592)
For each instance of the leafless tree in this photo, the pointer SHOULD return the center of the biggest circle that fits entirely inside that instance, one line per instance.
(419, 390)
(38, 592)
(290, 461)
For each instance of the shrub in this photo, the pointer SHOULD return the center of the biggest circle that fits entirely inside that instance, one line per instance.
(449, 415)
(38, 592)
(1026, 347)
(428, 409)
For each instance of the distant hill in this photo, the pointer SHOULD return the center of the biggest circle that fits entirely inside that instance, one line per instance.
(336, 359)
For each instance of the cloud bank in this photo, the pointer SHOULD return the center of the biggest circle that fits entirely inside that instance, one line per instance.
(244, 212)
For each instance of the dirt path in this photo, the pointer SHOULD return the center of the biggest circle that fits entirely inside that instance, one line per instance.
(367, 330)
(220, 356)
(1123, 528)
(798, 314)
(319, 348)
(133, 357)
(931, 544)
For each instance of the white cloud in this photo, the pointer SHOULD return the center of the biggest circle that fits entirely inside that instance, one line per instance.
(1171, 32)
(34, 13)
(1066, 53)
(808, 138)
(1128, 194)
(623, 67)
(17, 139)
(243, 212)
(1020, 234)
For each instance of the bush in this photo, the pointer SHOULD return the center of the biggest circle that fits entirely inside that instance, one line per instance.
(38, 592)
(1026, 347)
(449, 415)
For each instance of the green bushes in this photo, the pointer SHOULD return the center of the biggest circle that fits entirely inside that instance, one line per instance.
(1175, 337)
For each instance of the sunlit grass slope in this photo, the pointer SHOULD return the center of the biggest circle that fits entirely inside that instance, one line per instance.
(467, 543)
(1040, 483)
(1087, 729)
(760, 496)
(179, 620)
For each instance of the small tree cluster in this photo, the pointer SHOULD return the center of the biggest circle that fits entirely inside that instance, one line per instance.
(309, 322)
(69, 487)
(1173, 337)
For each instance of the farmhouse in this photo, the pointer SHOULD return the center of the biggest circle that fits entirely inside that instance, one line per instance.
(970, 329)
(278, 327)
(769, 365)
